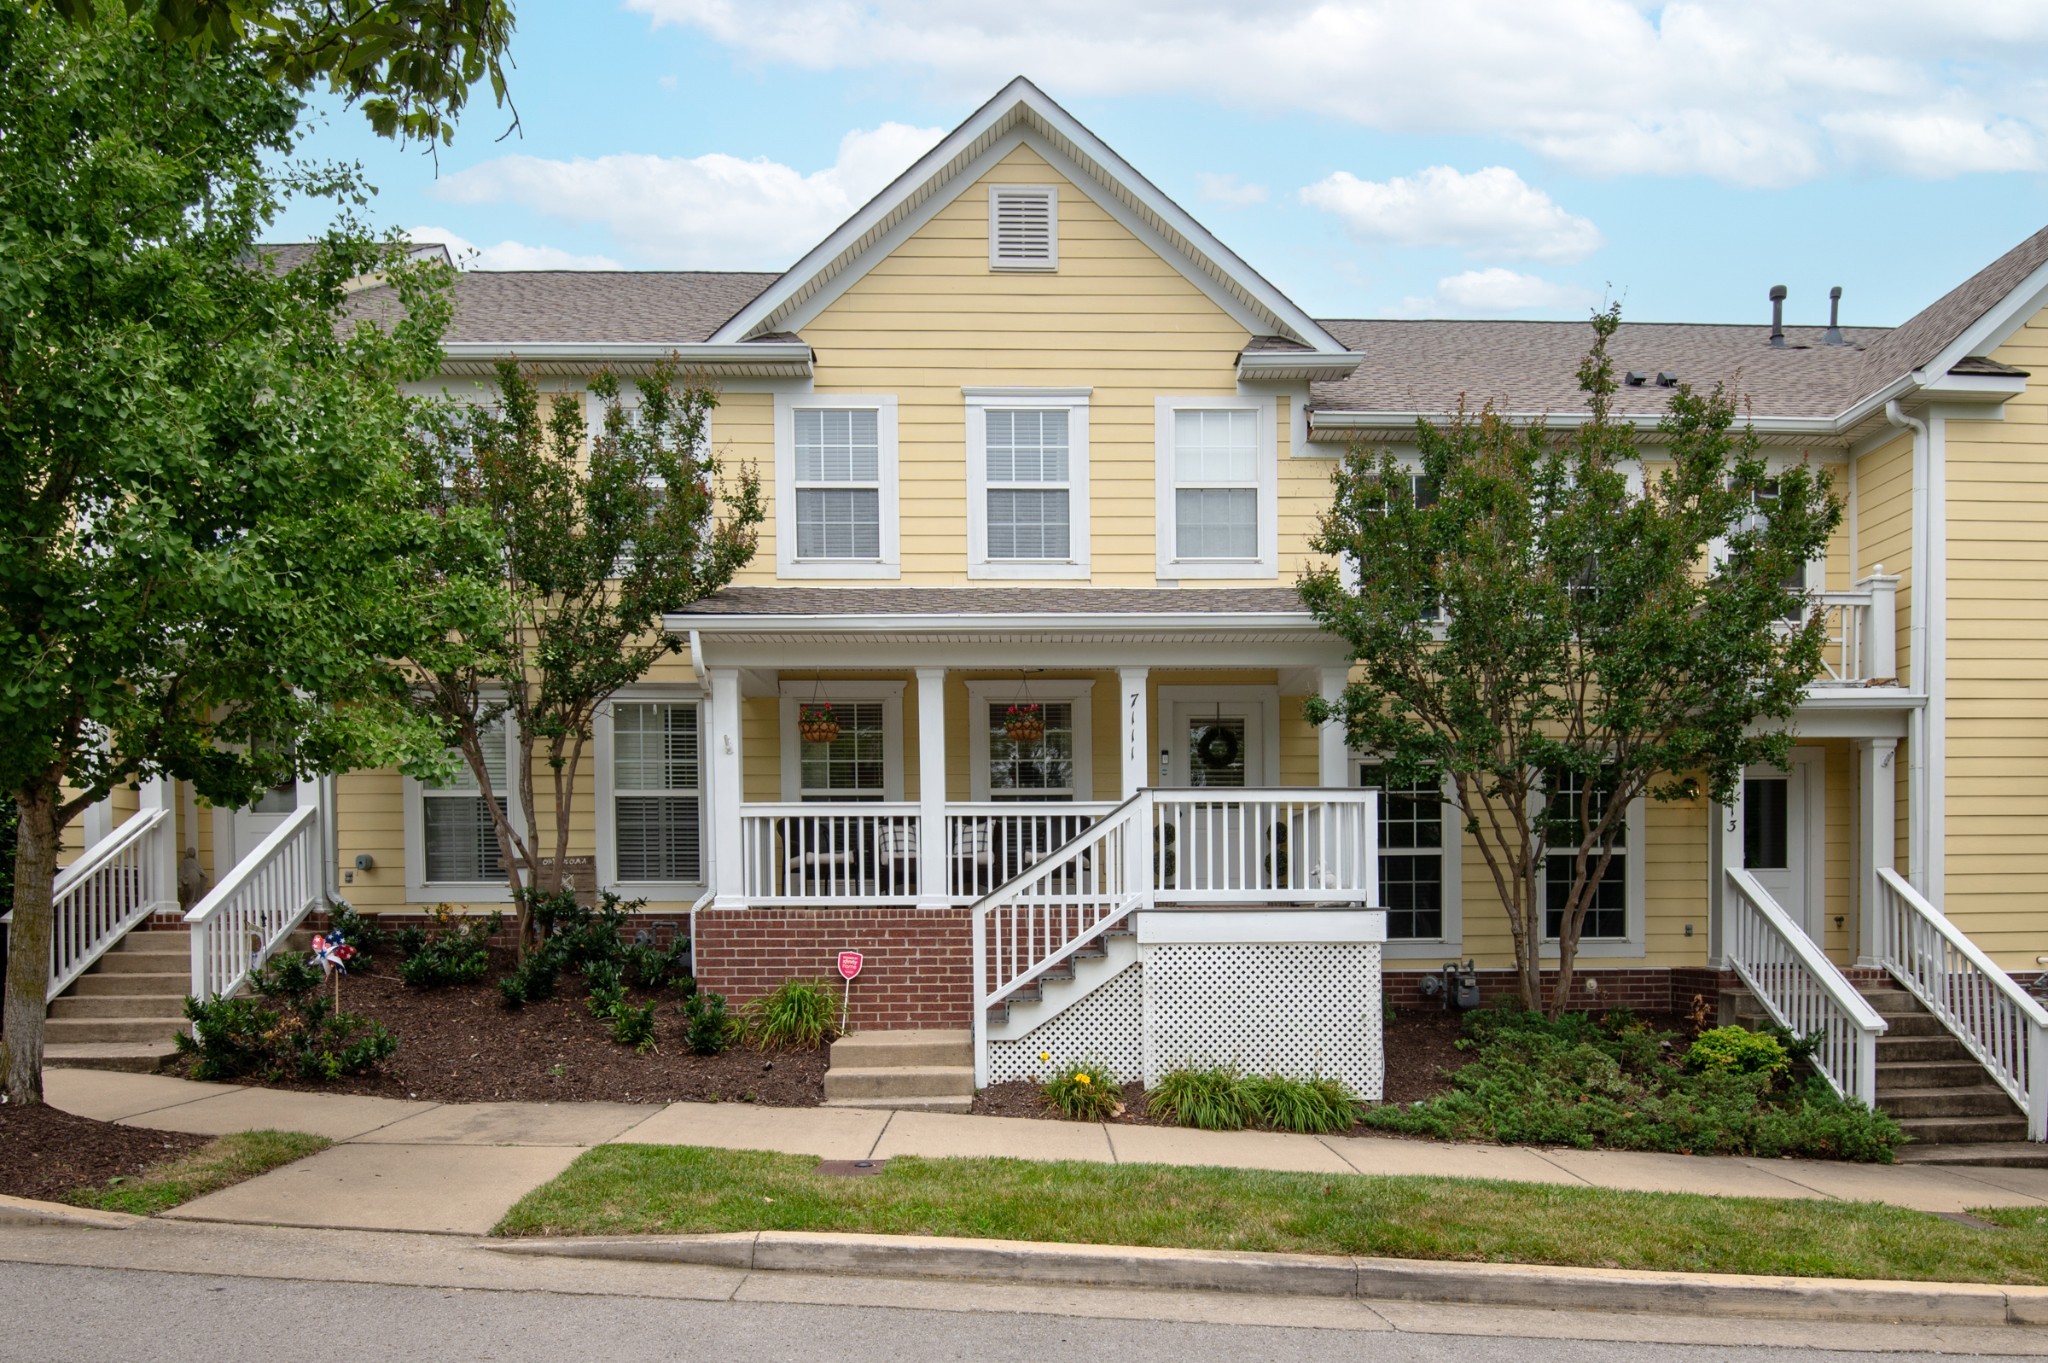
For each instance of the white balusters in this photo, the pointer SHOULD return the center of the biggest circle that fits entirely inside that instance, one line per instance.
(113, 886)
(1801, 989)
(1274, 846)
(815, 854)
(256, 905)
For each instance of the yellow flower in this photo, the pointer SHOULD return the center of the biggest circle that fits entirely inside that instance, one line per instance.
(1045, 1055)
(1083, 1079)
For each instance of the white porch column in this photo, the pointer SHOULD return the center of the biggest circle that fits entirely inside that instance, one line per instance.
(726, 789)
(161, 849)
(931, 787)
(1876, 809)
(96, 824)
(1136, 729)
(1333, 757)
(1881, 631)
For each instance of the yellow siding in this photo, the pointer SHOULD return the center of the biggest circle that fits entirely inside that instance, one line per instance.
(1884, 526)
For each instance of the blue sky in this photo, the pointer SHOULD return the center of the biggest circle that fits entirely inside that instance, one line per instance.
(1372, 157)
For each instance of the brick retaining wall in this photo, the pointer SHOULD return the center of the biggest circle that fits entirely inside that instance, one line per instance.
(916, 973)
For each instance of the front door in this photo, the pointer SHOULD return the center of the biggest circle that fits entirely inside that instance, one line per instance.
(251, 824)
(1214, 746)
(1781, 838)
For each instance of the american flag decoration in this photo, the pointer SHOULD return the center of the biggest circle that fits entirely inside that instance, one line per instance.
(332, 953)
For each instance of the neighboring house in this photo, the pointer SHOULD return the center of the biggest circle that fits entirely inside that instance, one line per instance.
(1033, 437)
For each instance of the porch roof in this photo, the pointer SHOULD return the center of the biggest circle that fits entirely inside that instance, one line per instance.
(820, 602)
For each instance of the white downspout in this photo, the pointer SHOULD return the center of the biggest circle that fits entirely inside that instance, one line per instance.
(1923, 722)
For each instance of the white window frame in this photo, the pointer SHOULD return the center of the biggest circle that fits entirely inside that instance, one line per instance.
(606, 812)
(420, 890)
(1453, 905)
(1072, 401)
(1266, 564)
(787, 564)
(1077, 692)
(996, 261)
(1635, 883)
(796, 694)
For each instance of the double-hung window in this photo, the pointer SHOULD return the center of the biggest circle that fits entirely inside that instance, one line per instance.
(456, 841)
(1414, 878)
(835, 467)
(1027, 459)
(1217, 514)
(656, 799)
(1571, 804)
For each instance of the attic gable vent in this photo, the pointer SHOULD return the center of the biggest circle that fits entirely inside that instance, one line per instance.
(1023, 227)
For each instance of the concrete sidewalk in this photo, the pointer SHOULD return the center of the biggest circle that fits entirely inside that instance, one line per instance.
(456, 1168)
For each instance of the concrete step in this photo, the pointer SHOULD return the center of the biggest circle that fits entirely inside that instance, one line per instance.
(1890, 999)
(119, 962)
(1928, 1074)
(132, 1057)
(1913, 1024)
(1964, 1130)
(156, 1029)
(1985, 1100)
(115, 1005)
(1896, 1048)
(952, 1103)
(901, 1081)
(169, 985)
(879, 1050)
(1995, 1154)
(155, 942)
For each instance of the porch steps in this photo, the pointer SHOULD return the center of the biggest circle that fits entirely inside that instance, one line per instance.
(927, 1071)
(1060, 980)
(1932, 1086)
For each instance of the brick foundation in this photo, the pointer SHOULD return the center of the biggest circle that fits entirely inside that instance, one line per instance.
(1646, 989)
(916, 974)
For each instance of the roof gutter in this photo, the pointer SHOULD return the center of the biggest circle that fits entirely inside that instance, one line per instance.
(794, 355)
(1388, 423)
(1298, 364)
(1121, 622)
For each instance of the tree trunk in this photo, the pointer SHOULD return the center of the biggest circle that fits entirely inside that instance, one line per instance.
(28, 948)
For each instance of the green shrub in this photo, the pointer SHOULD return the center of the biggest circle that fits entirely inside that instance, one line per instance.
(1737, 1050)
(533, 981)
(605, 999)
(1310, 1106)
(649, 967)
(797, 1015)
(709, 1028)
(1213, 1100)
(1083, 1092)
(454, 951)
(633, 1025)
(288, 1031)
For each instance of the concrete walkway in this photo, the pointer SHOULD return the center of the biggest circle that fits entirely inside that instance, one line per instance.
(456, 1168)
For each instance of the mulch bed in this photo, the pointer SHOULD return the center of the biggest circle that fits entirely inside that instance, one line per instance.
(461, 1045)
(45, 1153)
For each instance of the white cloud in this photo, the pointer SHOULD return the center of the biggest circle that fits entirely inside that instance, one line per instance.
(508, 255)
(1489, 212)
(1229, 191)
(1755, 92)
(710, 211)
(1492, 291)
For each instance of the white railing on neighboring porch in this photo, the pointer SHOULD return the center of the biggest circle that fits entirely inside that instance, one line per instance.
(1801, 989)
(113, 885)
(989, 842)
(256, 905)
(829, 853)
(1995, 1019)
(1862, 631)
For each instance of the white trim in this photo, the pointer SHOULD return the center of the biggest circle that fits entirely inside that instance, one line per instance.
(1076, 690)
(1001, 264)
(420, 890)
(1266, 563)
(787, 564)
(1194, 926)
(605, 813)
(1809, 769)
(1173, 699)
(890, 693)
(1074, 402)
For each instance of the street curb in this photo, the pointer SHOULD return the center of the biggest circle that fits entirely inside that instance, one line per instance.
(22, 1211)
(1412, 1280)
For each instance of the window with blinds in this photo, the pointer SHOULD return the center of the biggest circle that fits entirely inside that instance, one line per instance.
(1041, 769)
(1569, 799)
(853, 765)
(1030, 508)
(1411, 825)
(657, 800)
(461, 840)
(1216, 483)
(1023, 227)
(838, 483)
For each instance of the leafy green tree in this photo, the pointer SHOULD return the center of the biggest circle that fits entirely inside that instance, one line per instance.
(207, 513)
(1557, 639)
(597, 533)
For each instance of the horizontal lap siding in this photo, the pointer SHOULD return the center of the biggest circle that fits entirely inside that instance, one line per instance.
(1997, 760)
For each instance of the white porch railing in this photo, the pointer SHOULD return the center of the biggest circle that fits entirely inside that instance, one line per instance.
(1862, 631)
(1995, 1019)
(256, 905)
(992, 841)
(829, 853)
(1801, 989)
(110, 888)
(1267, 846)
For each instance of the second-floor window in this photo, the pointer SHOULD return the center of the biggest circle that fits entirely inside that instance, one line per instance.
(1027, 458)
(835, 493)
(1217, 516)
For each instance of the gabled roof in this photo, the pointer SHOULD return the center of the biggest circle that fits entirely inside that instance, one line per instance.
(1022, 109)
(1934, 329)
(617, 306)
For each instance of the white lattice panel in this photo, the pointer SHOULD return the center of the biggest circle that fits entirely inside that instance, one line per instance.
(1295, 1009)
(1103, 1027)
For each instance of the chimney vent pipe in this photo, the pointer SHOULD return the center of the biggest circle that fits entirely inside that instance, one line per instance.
(1778, 316)
(1834, 331)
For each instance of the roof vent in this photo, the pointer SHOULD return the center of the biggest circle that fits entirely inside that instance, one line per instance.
(1833, 335)
(1666, 379)
(1778, 316)
(1638, 377)
(1023, 227)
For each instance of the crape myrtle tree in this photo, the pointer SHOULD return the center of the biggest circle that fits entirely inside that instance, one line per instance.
(207, 506)
(1566, 621)
(597, 528)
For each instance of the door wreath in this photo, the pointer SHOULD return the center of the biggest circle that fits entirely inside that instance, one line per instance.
(1216, 747)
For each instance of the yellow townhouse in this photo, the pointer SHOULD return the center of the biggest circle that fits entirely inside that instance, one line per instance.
(1010, 699)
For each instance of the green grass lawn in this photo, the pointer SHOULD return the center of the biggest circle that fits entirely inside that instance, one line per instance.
(213, 1166)
(655, 1189)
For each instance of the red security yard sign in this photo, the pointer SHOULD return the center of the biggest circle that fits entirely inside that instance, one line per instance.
(849, 966)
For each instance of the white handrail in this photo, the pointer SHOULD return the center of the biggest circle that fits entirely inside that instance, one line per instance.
(1225, 845)
(1801, 989)
(1998, 1022)
(256, 906)
(96, 899)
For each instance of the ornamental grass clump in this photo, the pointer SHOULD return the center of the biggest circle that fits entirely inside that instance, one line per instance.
(797, 1015)
(1309, 1106)
(1083, 1091)
(1213, 1100)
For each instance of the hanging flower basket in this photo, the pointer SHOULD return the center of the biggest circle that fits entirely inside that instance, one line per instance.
(1024, 723)
(816, 723)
